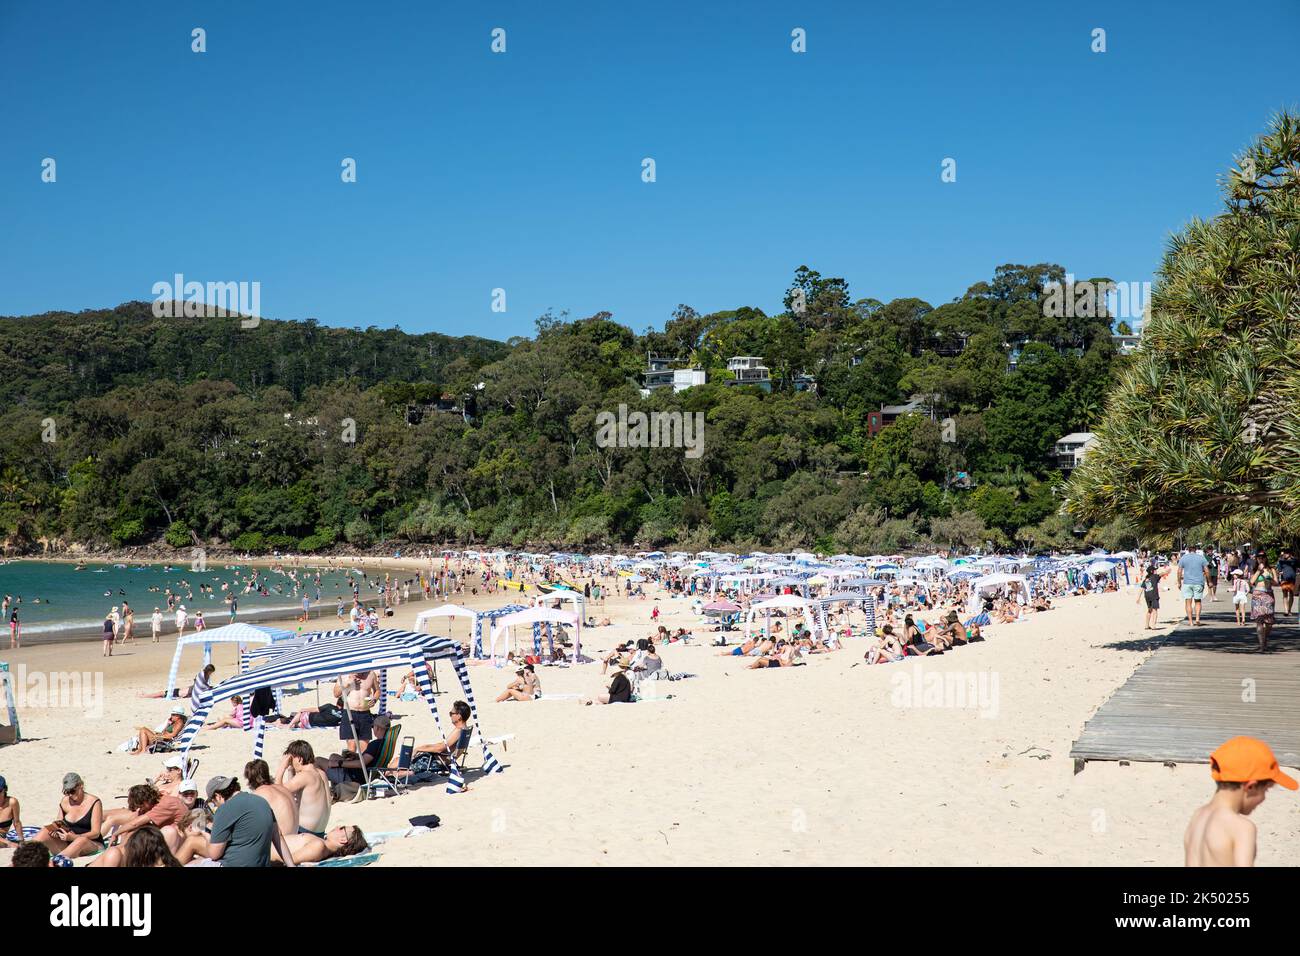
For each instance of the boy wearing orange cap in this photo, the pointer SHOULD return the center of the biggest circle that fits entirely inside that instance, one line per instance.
(1219, 834)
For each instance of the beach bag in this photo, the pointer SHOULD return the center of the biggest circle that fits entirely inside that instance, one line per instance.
(344, 792)
(424, 767)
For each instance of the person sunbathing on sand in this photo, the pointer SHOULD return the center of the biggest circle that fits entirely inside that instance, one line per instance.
(741, 650)
(309, 848)
(887, 647)
(953, 630)
(170, 730)
(525, 686)
(785, 656)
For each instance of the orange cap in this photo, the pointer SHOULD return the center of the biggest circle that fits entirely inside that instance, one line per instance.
(1243, 759)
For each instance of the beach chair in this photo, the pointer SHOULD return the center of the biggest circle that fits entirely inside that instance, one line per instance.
(461, 753)
(375, 781)
(397, 777)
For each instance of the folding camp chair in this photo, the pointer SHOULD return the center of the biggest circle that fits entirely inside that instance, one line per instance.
(375, 780)
(461, 753)
(396, 777)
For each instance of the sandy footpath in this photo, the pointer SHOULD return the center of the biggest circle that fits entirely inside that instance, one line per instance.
(823, 764)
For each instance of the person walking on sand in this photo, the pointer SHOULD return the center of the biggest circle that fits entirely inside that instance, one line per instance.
(128, 621)
(108, 635)
(1219, 834)
(155, 623)
(181, 619)
(1191, 580)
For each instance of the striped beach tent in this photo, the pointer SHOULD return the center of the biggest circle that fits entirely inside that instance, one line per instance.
(240, 633)
(866, 601)
(336, 653)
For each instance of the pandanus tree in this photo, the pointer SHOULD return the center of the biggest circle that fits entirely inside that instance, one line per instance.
(1204, 426)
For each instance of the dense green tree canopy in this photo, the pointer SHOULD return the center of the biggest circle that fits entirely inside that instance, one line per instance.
(292, 435)
(1205, 425)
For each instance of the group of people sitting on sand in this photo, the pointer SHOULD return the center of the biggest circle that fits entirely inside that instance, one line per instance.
(165, 822)
(919, 639)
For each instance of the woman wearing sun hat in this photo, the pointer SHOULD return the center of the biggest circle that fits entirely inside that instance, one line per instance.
(168, 730)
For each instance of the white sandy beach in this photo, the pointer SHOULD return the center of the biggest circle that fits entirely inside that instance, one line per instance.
(808, 765)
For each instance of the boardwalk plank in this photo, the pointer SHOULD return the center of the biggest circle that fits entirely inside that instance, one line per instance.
(1187, 698)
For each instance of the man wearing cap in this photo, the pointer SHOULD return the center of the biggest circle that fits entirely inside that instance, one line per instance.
(243, 827)
(173, 771)
(1219, 833)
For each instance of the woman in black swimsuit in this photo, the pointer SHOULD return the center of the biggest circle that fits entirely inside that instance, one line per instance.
(76, 835)
(9, 819)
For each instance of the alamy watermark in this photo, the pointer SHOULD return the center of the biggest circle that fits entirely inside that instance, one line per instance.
(651, 430)
(953, 690)
(74, 690)
(1119, 300)
(196, 300)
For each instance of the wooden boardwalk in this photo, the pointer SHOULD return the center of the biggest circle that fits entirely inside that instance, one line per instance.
(1202, 686)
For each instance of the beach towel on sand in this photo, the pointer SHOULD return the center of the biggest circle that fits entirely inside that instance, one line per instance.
(360, 859)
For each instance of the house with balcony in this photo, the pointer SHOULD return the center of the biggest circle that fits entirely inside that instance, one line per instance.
(663, 372)
(1071, 449)
(749, 370)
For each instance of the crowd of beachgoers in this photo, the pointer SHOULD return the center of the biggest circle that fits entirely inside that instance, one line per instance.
(772, 611)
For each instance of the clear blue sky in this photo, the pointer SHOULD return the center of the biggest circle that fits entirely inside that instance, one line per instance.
(523, 170)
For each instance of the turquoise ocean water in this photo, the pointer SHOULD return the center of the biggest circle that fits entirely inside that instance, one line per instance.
(59, 602)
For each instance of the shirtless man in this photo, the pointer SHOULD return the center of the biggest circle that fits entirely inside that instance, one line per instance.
(171, 776)
(360, 693)
(741, 650)
(340, 841)
(283, 805)
(310, 787)
(1219, 833)
(459, 716)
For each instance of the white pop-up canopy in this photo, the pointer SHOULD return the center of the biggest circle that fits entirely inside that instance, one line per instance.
(229, 634)
(808, 607)
(446, 610)
(991, 583)
(537, 616)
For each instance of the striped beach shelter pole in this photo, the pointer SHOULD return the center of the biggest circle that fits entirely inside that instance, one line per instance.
(345, 652)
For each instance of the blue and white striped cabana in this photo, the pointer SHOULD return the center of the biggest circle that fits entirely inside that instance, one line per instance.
(866, 602)
(335, 653)
(229, 634)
